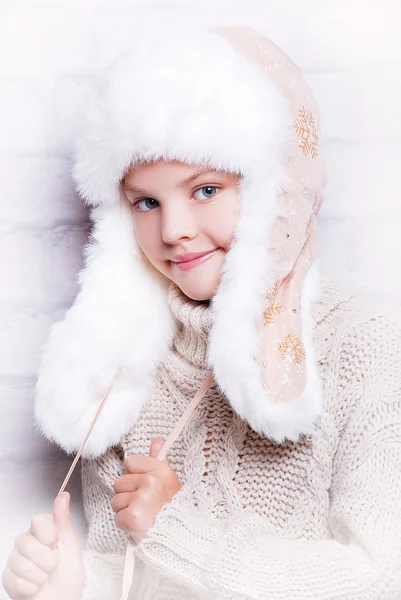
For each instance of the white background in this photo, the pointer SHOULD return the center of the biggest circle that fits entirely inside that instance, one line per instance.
(351, 57)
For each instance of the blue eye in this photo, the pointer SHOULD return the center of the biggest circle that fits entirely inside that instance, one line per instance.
(146, 204)
(210, 191)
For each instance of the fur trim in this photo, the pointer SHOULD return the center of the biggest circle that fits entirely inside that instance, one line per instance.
(142, 115)
(120, 302)
(234, 358)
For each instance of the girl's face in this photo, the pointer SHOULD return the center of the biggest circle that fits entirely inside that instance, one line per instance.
(184, 219)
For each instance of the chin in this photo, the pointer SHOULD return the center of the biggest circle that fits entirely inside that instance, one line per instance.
(199, 291)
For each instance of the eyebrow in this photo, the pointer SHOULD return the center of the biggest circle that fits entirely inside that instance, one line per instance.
(192, 177)
(183, 182)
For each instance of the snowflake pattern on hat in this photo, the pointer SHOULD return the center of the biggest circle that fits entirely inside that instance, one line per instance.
(293, 239)
(307, 131)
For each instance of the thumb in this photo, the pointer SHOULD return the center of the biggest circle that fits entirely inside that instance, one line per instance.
(156, 445)
(62, 515)
(68, 579)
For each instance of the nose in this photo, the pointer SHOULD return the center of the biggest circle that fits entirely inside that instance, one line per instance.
(178, 223)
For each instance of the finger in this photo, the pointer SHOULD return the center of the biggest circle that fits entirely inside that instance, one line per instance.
(156, 445)
(44, 530)
(127, 483)
(139, 463)
(61, 511)
(68, 540)
(30, 547)
(16, 587)
(26, 569)
(121, 501)
(132, 483)
(136, 518)
(151, 487)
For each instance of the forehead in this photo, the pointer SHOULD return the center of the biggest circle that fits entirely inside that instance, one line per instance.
(168, 172)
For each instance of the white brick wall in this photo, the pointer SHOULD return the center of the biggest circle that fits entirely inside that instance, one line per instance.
(351, 56)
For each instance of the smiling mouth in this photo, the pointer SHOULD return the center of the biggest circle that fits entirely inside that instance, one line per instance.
(189, 261)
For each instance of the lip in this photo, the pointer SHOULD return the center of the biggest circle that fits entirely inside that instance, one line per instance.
(185, 262)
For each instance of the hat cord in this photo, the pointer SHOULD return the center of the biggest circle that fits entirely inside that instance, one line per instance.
(129, 563)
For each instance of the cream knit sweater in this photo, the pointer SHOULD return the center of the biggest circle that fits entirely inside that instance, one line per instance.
(318, 519)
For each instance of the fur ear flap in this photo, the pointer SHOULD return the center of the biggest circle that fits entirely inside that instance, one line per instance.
(238, 370)
(119, 326)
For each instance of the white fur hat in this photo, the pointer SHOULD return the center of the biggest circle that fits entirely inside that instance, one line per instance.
(231, 99)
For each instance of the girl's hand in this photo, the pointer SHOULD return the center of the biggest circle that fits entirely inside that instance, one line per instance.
(142, 493)
(46, 563)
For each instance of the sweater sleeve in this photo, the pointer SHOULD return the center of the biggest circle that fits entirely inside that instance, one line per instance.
(103, 575)
(243, 558)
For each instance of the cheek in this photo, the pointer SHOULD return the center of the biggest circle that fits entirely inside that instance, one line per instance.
(221, 227)
(146, 235)
(223, 237)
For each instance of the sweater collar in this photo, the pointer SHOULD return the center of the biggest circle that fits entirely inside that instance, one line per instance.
(194, 320)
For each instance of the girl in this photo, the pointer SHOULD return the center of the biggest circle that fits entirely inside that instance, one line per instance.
(202, 160)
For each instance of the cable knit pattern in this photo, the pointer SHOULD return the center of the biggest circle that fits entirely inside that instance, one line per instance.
(255, 519)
